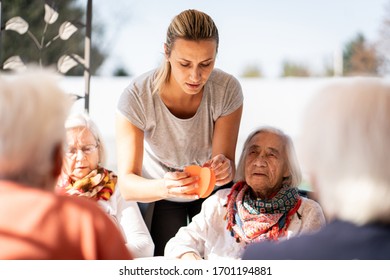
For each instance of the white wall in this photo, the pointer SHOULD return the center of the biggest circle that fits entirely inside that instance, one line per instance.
(276, 102)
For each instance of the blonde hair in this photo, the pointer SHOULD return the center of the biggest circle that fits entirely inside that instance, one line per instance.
(292, 163)
(344, 143)
(33, 110)
(189, 25)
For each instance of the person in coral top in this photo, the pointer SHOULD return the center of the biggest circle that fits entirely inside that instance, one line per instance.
(35, 222)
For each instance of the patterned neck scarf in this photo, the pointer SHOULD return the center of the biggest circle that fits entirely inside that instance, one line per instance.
(99, 184)
(254, 220)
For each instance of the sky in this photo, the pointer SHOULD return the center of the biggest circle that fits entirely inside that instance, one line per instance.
(263, 33)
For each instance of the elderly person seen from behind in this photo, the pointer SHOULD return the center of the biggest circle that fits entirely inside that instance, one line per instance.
(263, 204)
(84, 175)
(35, 222)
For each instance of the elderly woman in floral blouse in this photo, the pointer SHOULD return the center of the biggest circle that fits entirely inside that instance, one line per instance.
(263, 204)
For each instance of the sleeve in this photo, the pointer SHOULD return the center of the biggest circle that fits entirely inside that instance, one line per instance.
(137, 236)
(233, 96)
(313, 217)
(131, 105)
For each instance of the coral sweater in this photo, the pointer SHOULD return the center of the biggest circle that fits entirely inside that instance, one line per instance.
(38, 224)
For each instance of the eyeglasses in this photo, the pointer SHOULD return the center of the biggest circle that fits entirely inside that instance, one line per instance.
(71, 152)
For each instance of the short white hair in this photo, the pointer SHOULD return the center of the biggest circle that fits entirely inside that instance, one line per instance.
(33, 110)
(83, 120)
(344, 146)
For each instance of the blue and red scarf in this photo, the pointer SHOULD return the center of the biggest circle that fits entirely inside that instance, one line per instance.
(253, 219)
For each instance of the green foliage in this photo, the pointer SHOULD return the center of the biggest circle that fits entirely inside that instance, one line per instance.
(33, 11)
(291, 69)
(383, 43)
(252, 71)
(359, 57)
(121, 72)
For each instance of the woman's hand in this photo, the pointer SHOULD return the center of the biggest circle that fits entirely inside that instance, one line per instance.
(222, 167)
(177, 184)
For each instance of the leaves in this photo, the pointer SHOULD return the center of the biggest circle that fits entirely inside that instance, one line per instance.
(14, 63)
(66, 30)
(67, 62)
(49, 31)
(51, 15)
(17, 24)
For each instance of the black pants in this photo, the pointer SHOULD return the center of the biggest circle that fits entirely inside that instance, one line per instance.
(164, 218)
(168, 218)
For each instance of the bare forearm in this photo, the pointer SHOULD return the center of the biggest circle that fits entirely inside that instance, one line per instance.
(173, 185)
(137, 188)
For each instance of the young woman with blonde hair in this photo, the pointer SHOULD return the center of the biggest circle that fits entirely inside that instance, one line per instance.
(185, 113)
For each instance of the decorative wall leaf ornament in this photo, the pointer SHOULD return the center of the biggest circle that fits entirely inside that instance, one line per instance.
(66, 30)
(67, 62)
(14, 63)
(51, 15)
(17, 24)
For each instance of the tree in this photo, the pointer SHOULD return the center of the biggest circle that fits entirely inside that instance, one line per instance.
(41, 43)
(252, 71)
(383, 44)
(121, 72)
(360, 57)
(291, 69)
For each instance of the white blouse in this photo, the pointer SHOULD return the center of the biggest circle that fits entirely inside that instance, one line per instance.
(130, 221)
(208, 237)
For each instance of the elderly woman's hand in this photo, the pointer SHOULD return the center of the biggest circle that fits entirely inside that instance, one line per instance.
(222, 167)
(177, 184)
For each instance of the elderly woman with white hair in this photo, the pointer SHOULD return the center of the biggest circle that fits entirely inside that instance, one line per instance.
(84, 175)
(264, 204)
(345, 139)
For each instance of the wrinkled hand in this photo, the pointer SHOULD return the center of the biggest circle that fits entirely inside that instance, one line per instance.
(178, 183)
(222, 167)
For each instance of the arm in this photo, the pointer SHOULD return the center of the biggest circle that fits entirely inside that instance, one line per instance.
(129, 142)
(224, 147)
(189, 241)
(205, 234)
(137, 235)
(312, 216)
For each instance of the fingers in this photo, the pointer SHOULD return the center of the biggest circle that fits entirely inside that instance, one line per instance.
(179, 184)
(175, 175)
(222, 168)
(181, 192)
(216, 162)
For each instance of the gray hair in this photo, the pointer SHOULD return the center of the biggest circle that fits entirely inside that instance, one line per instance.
(33, 110)
(345, 140)
(292, 163)
(189, 25)
(83, 120)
